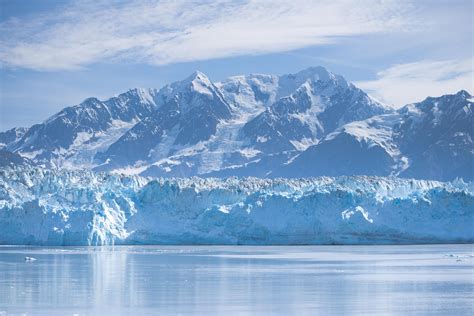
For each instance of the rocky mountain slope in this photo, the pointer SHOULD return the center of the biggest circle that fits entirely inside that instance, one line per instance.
(72, 137)
(313, 122)
(432, 139)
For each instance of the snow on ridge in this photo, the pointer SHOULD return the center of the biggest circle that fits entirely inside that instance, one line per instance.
(145, 95)
(87, 208)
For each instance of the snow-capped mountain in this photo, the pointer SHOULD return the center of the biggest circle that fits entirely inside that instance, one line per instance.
(321, 103)
(432, 139)
(313, 122)
(11, 136)
(437, 136)
(204, 128)
(72, 137)
(86, 208)
(189, 113)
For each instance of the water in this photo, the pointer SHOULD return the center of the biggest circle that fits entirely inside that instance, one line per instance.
(421, 280)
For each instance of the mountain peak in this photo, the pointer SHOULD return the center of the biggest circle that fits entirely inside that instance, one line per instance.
(198, 75)
(137, 90)
(464, 94)
(318, 74)
(319, 71)
(461, 94)
(91, 100)
(198, 82)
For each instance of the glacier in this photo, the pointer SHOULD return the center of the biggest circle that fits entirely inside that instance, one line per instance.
(65, 207)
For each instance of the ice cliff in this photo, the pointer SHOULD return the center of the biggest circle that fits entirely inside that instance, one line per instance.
(44, 207)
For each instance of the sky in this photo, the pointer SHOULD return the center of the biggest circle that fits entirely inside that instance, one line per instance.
(55, 53)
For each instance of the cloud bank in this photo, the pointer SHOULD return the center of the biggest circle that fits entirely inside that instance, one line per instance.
(164, 32)
(406, 83)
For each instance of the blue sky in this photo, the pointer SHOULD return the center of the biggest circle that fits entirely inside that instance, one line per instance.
(57, 53)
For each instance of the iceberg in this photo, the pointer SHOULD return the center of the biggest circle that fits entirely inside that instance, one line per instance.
(64, 207)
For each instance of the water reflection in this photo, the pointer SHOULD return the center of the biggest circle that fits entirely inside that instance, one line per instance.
(238, 280)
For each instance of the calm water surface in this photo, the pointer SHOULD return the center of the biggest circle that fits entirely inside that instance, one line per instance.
(214, 280)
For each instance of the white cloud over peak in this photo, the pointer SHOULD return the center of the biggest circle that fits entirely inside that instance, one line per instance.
(165, 32)
(411, 82)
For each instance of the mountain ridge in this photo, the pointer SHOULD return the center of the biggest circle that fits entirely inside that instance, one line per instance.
(312, 122)
(404, 143)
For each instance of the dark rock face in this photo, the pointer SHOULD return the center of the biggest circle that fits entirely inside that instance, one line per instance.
(9, 159)
(437, 134)
(11, 136)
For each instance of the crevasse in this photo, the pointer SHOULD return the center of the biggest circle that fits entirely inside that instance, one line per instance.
(48, 207)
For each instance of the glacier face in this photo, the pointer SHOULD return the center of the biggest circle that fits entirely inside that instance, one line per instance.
(43, 207)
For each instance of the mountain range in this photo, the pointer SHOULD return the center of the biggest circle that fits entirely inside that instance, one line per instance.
(310, 123)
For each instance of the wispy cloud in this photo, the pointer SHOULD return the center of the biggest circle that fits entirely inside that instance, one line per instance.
(406, 83)
(164, 32)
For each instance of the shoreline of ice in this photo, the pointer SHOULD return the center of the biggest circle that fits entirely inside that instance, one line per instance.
(51, 207)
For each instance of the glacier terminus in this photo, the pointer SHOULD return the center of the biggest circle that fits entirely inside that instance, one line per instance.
(43, 207)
